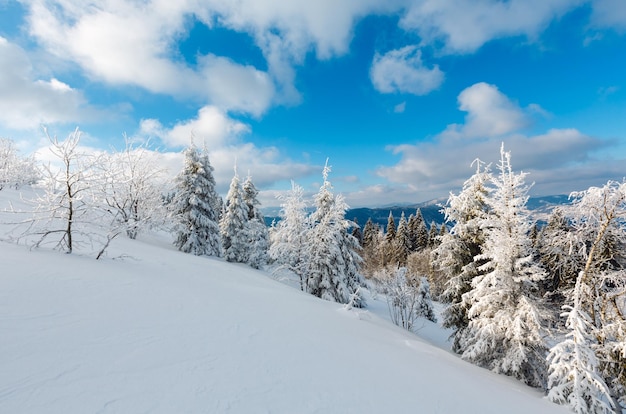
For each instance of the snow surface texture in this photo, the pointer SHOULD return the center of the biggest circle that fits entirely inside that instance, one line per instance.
(161, 331)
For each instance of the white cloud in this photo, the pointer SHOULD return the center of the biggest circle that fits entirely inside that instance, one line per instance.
(490, 113)
(129, 43)
(403, 71)
(609, 13)
(221, 135)
(433, 168)
(212, 127)
(464, 26)
(27, 102)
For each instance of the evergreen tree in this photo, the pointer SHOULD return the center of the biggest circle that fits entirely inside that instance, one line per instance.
(560, 254)
(372, 241)
(195, 206)
(388, 247)
(234, 224)
(432, 234)
(333, 259)
(504, 329)
(356, 232)
(402, 242)
(594, 351)
(454, 257)
(419, 231)
(288, 236)
(258, 235)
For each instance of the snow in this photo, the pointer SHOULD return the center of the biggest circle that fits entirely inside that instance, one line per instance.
(149, 329)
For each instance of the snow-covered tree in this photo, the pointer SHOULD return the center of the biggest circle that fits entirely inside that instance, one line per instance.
(258, 236)
(288, 236)
(402, 242)
(131, 189)
(373, 239)
(432, 234)
(333, 253)
(195, 206)
(596, 320)
(66, 207)
(388, 246)
(454, 257)
(356, 231)
(234, 224)
(408, 298)
(418, 230)
(16, 170)
(574, 378)
(504, 324)
(561, 253)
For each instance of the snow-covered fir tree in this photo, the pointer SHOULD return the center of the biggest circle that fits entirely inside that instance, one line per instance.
(574, 378)
(373, 239)
(432, 234)
(288, 237)
(333, 253)
(356, 231)
(234, 224)
(504, 323)
(195, 206)
(388, 247)
(402, 242)
(419, 231)
(595, 347)
(454, 257)
(258, 236)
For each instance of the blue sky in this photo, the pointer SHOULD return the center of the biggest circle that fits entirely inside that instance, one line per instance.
(399, 95)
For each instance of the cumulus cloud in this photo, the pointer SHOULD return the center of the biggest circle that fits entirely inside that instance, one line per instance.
(129, 43)
(434, 167)
(490, 113)
(464, 26)
(212, 127)
(402, 70)
(27, 102)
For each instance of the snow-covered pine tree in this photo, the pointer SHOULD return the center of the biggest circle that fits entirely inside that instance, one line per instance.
(356, 231)
(195, 206)
(388, 247)
(419, 231)
(258, 236)
(288, 236)
(561, 255)
(574, 378)
(372, 253)
(596, 214)
(454, 257)
(425, 306)
(504, 327)
(234, 224)
(402, 242)
(432, 234)
(333, 258)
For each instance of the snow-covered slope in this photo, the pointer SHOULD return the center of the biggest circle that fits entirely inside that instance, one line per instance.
(159, 331)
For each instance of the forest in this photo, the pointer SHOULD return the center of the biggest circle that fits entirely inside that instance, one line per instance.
(545, 304)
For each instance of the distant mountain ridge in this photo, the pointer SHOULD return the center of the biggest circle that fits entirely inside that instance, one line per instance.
(540, 208)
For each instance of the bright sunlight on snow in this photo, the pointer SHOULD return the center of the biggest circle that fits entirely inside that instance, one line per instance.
(148, 329)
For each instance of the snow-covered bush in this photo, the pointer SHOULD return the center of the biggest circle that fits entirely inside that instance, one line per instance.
(406, 301)
(16, 170)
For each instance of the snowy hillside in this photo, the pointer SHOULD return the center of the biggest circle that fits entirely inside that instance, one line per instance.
(150, 329)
